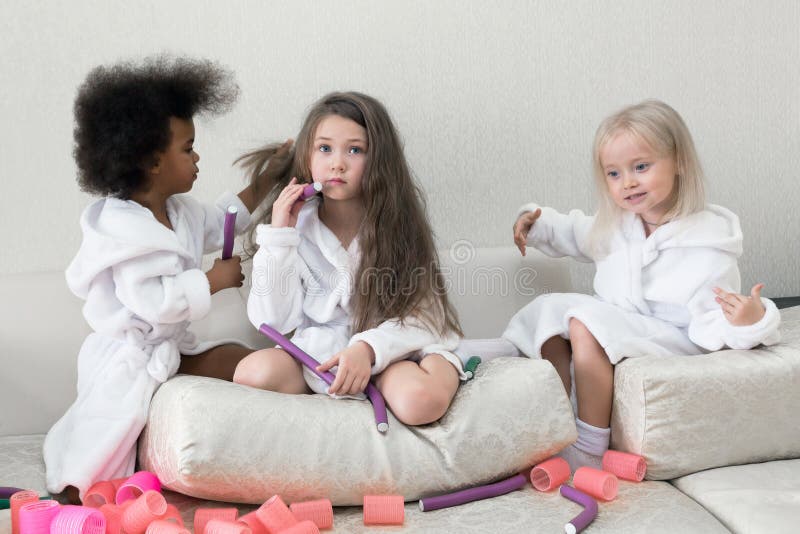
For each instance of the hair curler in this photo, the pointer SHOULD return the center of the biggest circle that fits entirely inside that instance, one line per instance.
(228, 233)
(203, 515)
(550, 474)
(471, 365)
(136, 485)
(625, 465)
(37, 516)
(6, 492)
(384, 510)
(597, 483)
(17, 500)
(472, 494)
(319, 511)
(275, 515)
(375, 397)
(310, 190)
(582, 520)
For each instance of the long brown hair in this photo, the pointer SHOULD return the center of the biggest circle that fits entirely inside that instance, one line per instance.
(398, 275)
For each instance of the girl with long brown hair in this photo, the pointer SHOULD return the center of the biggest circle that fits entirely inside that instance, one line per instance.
(353, 271)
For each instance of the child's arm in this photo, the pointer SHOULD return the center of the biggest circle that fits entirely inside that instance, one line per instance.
(748, 322)
(554, 233)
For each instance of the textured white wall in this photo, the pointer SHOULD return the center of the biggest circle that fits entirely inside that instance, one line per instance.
(497, 101)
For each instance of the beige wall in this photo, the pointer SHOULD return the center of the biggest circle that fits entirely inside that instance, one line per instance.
(497, 101)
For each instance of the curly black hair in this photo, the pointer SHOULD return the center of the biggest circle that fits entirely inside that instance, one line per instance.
(122, 116)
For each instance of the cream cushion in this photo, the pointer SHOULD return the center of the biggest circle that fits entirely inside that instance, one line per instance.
(218, 440)
(686, 414)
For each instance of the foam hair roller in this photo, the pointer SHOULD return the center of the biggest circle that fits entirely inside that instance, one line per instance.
(160, 526)
(100, 493)
(550, 474)
(303, 527)
(598, 484)
(78, 520)
(320, 512)
(275, 515)
(148, 507)
(204, 515)
(384, 510)
(375, 397)
(310, 190)
(471, 494)
(228, 232)
(16, 501)
(582, 520)
(6, 492)
(137, 484)
(219, 526)
(36, 517)
(625, 465)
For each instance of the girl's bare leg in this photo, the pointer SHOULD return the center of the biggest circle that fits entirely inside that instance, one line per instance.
(558, 351)
(217, 362)
(594, 376)
(273, 370)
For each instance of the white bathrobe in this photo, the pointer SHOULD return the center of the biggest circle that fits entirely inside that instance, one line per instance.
(653, 295)
(143, 285)
(303, 280)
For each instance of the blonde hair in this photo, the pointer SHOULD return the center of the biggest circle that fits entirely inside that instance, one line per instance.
(663, 129)
(399, 275)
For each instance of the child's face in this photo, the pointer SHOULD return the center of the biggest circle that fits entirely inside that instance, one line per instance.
(339, 157)
(638, 179)
(176, 169)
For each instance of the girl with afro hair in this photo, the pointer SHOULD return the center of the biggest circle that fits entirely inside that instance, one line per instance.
(138, 267)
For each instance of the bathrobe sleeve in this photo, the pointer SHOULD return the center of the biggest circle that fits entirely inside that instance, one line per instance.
(558, 235)
(277, 294)
(153, 287)
(708, 326)
(394, 341)
(214, 220)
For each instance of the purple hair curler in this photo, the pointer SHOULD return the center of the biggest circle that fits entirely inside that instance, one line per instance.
(375, 397)
(472, 494)
(7, 492)
(228, 233)
(582, 520)
(310, 190)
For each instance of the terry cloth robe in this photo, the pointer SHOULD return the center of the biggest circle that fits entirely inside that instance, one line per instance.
(143, 285)
(653, 295)
(303, 281)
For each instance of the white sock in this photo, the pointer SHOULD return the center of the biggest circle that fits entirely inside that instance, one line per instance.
(588, 450)
(486, 349)
(577, 458)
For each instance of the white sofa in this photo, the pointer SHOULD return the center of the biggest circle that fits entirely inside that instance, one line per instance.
(720, 431)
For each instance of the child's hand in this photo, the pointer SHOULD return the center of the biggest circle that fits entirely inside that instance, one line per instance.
(523, 226)
(355, 366)
(740, 310)
(286, 206)
(225, 274)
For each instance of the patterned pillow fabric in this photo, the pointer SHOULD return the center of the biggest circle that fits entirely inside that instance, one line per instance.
(217, 440)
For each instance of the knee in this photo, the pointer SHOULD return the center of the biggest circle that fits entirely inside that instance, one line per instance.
(257, 370)
(420, 404)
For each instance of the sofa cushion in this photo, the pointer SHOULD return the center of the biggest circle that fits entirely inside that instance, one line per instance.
(749, 498)
(217, 440)
(686, 414)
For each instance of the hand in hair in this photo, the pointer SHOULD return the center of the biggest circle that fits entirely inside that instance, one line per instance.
(225, 274)
(355, 369)
(740, 310)
(286, 206)
(523, 226)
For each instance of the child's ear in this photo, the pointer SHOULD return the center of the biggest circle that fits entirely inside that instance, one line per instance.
(154, 164)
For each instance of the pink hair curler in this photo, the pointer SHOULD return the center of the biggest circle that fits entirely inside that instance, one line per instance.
(582, 520)
(15, 502)
(598, 484)
(472, 494)
(219, 526)
(625, 465)
(137, 484)
(35, 517)
(375, 397)
(550, 474)
(172, 514)
(229, 232)
(113, 515)
(384, 510)
(275, 515)
(148, 507)
(255, 524)
(320, 512)
(203, 515)
(100, 493)
(303, 527)
(160, 526)
(78, 520)
(310, 190)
